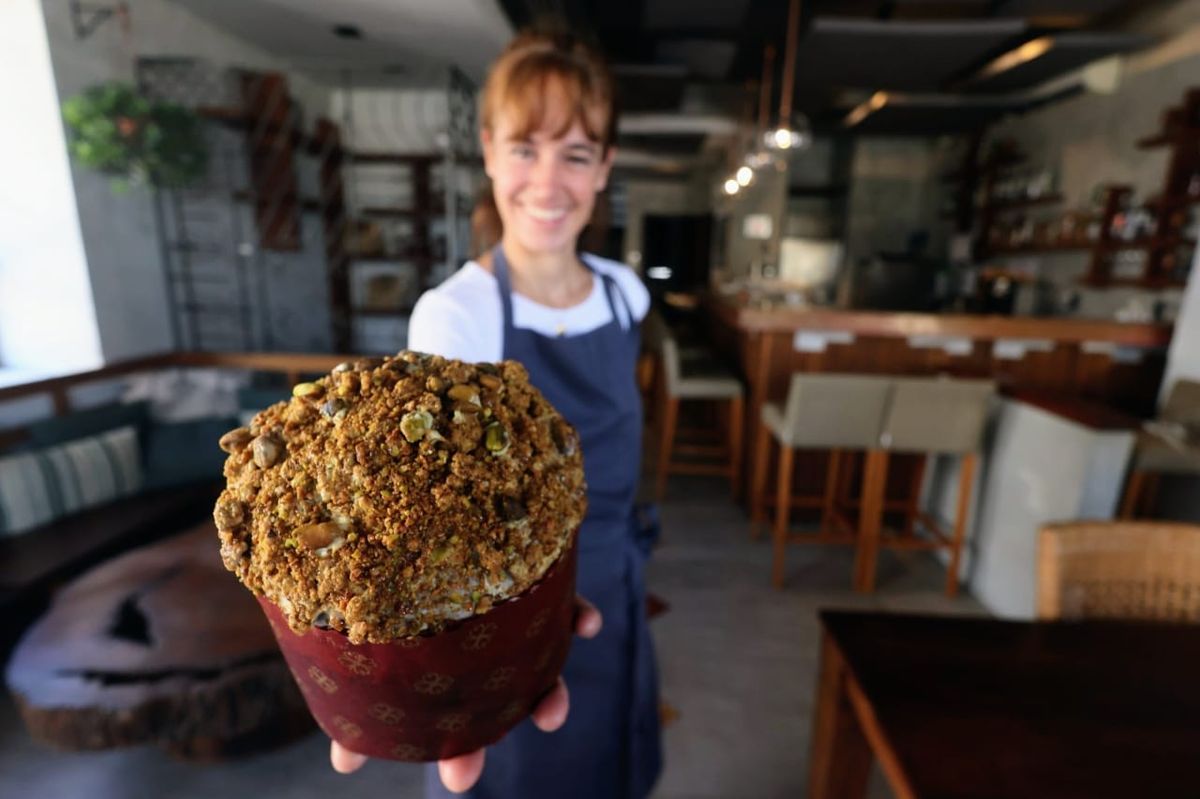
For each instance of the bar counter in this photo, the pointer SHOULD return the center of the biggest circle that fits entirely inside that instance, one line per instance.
(894, 324)
(1114, 364)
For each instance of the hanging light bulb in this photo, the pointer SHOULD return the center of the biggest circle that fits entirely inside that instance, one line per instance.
(732, 186)
(795, 136)
(744, 175)
(793, 132)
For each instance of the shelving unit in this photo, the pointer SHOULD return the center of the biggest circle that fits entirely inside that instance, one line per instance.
(386, 279)
(1181, 134)
(977, 210)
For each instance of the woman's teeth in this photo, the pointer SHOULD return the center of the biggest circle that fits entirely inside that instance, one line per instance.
(546, 214)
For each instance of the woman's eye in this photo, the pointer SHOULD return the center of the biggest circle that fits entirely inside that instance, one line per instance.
(523, 151)
(581, 160)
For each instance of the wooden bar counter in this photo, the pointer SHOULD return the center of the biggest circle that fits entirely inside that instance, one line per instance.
(1115, 364)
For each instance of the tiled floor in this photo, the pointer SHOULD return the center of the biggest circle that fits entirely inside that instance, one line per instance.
(738, 661)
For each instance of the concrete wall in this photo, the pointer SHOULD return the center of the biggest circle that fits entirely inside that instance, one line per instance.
(119, 233)
(894, 192)
(766, 195)
(47, 321)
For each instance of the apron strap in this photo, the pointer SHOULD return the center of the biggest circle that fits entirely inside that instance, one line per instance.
(500, 270)
(612, 292)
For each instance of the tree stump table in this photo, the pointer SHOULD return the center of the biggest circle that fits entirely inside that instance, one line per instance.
(158, 646)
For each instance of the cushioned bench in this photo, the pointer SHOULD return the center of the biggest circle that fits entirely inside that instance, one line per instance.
(63, 548)
(69, 500)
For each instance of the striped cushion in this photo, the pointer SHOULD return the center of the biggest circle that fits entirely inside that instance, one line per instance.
(39, 486)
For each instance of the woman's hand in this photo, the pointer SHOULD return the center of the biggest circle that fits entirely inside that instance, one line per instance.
(460, 773)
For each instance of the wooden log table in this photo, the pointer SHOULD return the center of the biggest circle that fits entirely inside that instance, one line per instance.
(160, 646)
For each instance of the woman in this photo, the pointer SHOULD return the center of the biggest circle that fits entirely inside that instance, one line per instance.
(547, 130)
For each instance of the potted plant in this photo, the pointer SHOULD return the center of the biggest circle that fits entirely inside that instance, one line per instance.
(114, 129)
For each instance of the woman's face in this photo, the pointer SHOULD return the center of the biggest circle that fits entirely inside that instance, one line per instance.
(545, 187)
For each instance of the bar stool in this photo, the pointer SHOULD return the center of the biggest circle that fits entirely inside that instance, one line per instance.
(926, 416)
(822, 411)
(1163, 447)
(699, 382)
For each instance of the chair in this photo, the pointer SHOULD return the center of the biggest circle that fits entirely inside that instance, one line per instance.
(1119, 570)
(700, 382)
(1164, 448)
(822, 411)
(926, 416)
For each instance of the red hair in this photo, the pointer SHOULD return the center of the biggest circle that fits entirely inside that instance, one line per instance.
(551, 80)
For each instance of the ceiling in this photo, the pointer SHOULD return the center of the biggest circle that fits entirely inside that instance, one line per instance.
(401, 40)
(687, 70)
(847, 51)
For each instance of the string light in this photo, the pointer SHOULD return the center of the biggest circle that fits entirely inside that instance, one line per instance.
(732, 186)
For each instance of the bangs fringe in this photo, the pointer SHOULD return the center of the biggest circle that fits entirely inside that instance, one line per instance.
(538, 85)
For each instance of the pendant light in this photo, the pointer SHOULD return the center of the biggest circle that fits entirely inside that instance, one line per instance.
(792, 132)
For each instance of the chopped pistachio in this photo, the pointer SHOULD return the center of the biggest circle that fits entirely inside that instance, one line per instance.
(235, 440)
(415, 424)
(267, 451)
(496, 439)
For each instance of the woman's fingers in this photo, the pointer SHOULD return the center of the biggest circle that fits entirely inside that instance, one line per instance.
(344, 761)
(460, 773)
(551, 712)
(588, 620)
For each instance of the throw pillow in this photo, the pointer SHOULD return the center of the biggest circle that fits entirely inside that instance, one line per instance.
(185, 452)
(41, 485)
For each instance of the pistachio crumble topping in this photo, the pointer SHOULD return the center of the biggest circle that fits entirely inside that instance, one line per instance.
(396, 495)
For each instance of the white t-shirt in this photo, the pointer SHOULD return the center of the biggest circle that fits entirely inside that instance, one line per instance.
(462, 318)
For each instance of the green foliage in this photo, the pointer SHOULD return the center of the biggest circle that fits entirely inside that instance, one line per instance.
(113, 129)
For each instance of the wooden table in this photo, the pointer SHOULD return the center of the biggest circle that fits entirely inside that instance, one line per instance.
(986, 709)
(158, 646)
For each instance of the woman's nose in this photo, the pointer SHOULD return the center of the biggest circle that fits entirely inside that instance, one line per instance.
(545, 171)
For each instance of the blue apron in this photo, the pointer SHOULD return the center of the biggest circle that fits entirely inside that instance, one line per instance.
(609, 747)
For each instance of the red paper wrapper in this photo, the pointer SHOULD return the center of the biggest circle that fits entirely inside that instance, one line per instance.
(437, 696)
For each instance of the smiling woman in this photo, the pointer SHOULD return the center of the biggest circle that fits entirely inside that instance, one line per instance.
(572, 320)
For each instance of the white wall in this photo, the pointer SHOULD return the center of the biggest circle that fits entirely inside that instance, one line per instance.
(1183, 359)
(119, 233)
(47, 322)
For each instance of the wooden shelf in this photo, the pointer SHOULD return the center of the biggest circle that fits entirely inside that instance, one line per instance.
(1168, 138)
(1172, 203)
(1036, 248)
(1097, 246)
(1169, 243)
(1133, 282)
(1012, 205)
